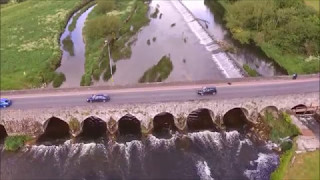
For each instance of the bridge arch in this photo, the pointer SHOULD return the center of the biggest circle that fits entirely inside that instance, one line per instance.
(54, 129)
(92, 128)
(3, 133)
(163, 124)
(298, 107)
(236, 118)
(201, 119)
(129, 128)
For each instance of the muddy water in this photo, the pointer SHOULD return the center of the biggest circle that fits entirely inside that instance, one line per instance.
(245, 54)
(72, 63)
(207, 155)
(191, 61)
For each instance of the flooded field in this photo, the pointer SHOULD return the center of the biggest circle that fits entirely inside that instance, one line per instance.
(186, 32)
(171, 36)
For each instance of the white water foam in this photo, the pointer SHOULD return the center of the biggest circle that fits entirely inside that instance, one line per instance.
(204, 170)
(224, 63)
(266, 163)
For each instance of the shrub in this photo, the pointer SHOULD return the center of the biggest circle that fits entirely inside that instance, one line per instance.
(104, 6)
(280, 128)
(96, 74)
(86, 80)
(58, 80)
(251, 72)
(102, 26)
(14, 143)
(107, 73)
(159, 72)
(74, 125)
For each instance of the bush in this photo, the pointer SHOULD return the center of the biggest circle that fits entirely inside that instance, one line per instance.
(104, 6)
(86, 80)
(96, 74)
(251, 72)
(159, 72)
(102, 26)
(14, 143)
(107, 73)
(280, 128)
(58, 80)
(74, 125)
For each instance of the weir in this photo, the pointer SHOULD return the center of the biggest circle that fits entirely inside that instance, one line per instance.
(219, 57)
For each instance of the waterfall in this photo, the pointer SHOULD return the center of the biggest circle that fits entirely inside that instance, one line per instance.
(203, 155)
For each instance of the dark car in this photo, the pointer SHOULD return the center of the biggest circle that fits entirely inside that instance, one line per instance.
(207, 91)
(4, 102)
(98, 98)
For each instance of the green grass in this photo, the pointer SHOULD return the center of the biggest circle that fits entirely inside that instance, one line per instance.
(281, 127)
(14, 143)
(285, 159)
(159, 72)
(293, 63)
(305, 166)
(251, 72)
(313, 3)
(132, 13)
(30, 33)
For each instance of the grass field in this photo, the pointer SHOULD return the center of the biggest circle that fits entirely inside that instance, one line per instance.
(30, 49)
(305, 166)
(313, 3)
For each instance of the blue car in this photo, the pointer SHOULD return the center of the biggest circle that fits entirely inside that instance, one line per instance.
(4, 102)
(98, 98)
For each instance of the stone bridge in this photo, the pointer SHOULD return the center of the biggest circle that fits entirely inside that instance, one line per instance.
(138, 119)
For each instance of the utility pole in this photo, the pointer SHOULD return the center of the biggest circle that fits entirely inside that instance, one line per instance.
(110, 60)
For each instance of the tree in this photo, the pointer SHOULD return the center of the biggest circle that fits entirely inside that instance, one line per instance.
(104, 6)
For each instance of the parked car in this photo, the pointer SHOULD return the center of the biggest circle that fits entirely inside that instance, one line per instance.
(207, 91)
(5, 102)
(98, 98)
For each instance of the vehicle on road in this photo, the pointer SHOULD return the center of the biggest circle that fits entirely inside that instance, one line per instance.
(5, 102)
(207, 91)
(98, 98)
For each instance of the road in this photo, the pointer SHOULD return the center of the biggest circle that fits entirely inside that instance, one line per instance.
(166, 93)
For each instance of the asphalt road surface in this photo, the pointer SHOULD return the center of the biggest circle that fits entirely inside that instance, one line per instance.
(165, 94)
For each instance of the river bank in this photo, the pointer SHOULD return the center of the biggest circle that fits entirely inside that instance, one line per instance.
(293, 56)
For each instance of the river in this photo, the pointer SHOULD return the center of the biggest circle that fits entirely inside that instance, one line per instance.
(171, 35)
(73, 52)
(207, 155)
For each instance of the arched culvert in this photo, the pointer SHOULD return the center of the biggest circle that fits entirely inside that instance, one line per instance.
(236, 119)
(129, 128)
(92, 128)
(55, 129)
(299, 109)
(201, 119)
(163, 125)
(3, 133)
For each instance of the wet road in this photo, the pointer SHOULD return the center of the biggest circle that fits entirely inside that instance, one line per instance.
(165, 94)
